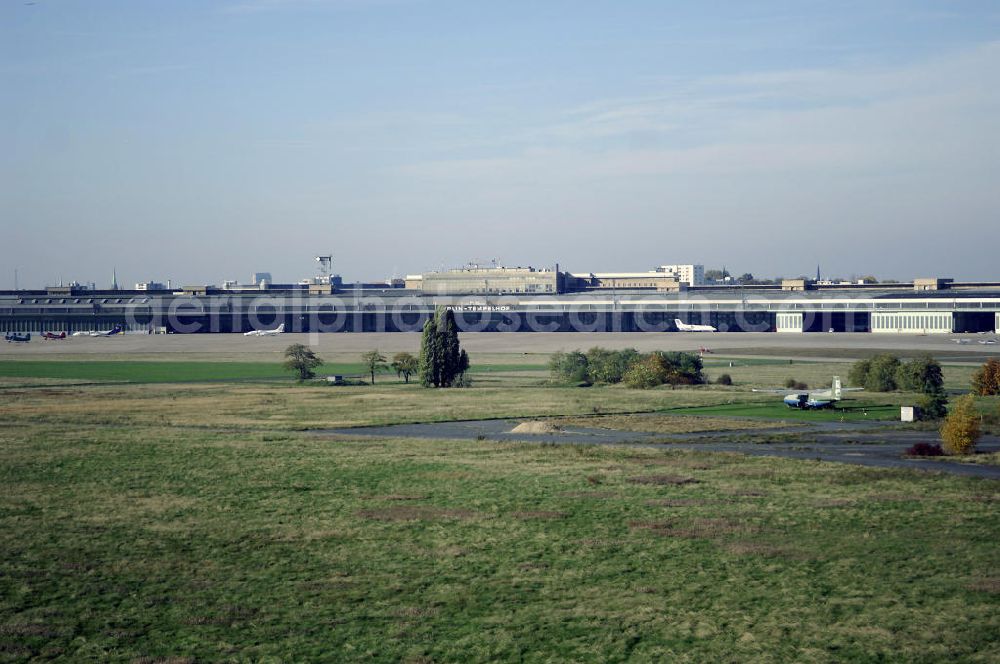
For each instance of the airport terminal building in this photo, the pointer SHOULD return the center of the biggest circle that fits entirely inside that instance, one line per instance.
(515, 300)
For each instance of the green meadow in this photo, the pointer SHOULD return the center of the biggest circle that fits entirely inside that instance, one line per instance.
(192, 515)
(132, 371)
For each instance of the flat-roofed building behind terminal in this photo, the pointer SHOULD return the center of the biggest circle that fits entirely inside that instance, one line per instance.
(622, 281)
(491, 280)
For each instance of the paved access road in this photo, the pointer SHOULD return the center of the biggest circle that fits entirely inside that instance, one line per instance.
(856, 443)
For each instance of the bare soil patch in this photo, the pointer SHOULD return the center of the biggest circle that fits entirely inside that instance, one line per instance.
(662, 480)
(833, 502)
(694, 529)
(415, 513)
(894, 497)
(539, 514)
(588, 494)
(747, 493)
(686, 464)
(684, 502)
(758, 549)
(986, 585)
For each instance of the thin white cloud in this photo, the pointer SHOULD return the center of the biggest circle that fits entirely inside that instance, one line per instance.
(260, 6)
(776, 121)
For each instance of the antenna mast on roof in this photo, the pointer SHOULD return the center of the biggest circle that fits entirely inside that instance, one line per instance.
(324, 268)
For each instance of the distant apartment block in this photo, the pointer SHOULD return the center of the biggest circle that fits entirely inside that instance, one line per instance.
(692, 275)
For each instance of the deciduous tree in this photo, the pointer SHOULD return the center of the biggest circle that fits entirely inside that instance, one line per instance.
(405, 365)
(374, 361)
(877, 374)
(986, 380)
(301, 360)
(921, 374)
(961, 429)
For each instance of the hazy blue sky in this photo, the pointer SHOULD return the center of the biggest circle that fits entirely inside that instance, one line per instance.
(199, 141)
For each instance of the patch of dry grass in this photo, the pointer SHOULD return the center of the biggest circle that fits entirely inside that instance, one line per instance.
(662, 480)
(985, 458)
(291, 407)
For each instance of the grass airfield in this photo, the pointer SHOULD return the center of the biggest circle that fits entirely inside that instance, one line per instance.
(190, 515)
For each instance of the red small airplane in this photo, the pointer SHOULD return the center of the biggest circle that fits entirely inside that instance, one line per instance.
(704, 350)
(53, 335)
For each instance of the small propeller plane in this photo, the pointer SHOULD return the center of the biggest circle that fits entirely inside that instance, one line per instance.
(265, 333)
(814, 399)
(49, 336)
(15, 338)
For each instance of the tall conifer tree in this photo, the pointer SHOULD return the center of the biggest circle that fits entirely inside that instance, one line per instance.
(442, 359)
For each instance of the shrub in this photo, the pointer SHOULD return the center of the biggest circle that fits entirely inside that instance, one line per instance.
(986, 380)
(961, 429)
(793, 384)
(933, 406)
(925, 450)
(790, 383)
(569, 367)
(858, 374)
(724, 379)
(644, 374)
(609, 366)
(660, 367)
(678, 368)
(882, 373)
(877, 374)
(921, 374)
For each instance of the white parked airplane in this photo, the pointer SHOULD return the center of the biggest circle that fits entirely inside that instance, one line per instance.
(684, 327)
(116, 330)
(814, 398)
(265, 333)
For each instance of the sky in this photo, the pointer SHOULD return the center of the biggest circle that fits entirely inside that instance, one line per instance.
(201, 141)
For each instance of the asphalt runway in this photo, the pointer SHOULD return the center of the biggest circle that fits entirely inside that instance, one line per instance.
(238, 347)
(852, 443)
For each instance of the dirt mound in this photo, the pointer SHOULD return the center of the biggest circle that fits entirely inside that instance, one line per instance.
(536, 427)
